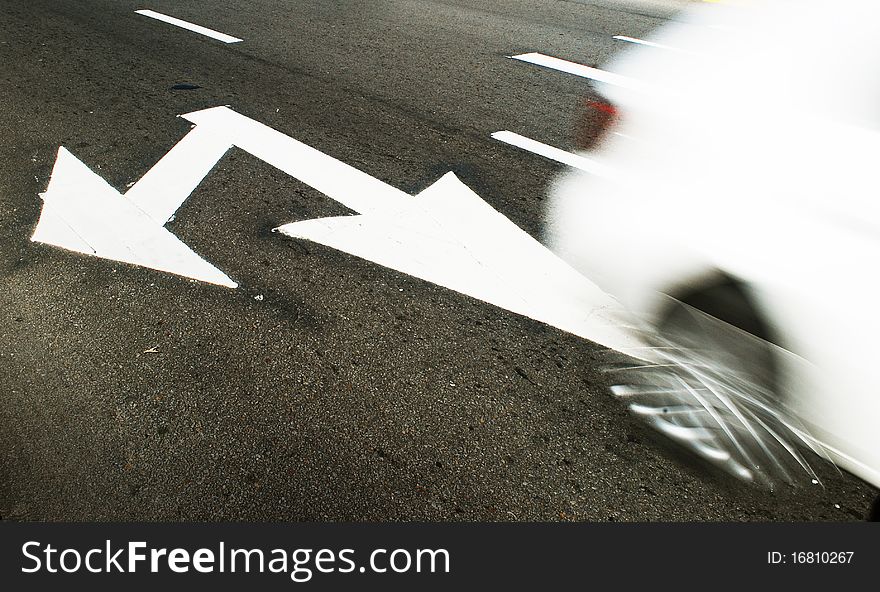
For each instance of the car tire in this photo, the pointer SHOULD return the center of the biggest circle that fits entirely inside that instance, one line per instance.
(685, 323)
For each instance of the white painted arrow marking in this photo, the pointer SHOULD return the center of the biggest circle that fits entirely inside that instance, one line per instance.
(352, 188)
(449, 236)
(83, 213)
(165, 187)
(446, 235)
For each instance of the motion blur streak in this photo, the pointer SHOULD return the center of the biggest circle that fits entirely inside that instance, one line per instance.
(712, 402)
(754, 168)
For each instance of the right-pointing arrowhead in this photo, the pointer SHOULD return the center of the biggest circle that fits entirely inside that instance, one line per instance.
(83, 213)
(449, 236)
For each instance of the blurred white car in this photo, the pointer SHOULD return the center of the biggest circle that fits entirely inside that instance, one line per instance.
(743, 182)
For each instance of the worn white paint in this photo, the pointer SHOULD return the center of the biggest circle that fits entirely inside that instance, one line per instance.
(574, 160)
(189, 26)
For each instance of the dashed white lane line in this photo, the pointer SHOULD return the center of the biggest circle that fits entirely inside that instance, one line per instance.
(640, 41)
(557, 154)
(581, 70)
(189, 26)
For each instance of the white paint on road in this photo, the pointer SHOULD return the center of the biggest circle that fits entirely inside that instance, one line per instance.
(83, 213)
(449, 236)
(446, 234)
(352, 188)
(189, 26)
(581, 70)
(165, 187)
(557, 154)
(641, 42)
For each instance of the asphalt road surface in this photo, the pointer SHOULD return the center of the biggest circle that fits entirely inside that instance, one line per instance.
(323, 387)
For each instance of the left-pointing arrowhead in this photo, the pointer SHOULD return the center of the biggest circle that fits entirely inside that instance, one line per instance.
(83, 213)
(449, 236)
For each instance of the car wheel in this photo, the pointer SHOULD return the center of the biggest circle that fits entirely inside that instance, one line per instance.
(742, 341)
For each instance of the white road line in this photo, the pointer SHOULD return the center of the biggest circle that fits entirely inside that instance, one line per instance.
(641, 42)
(596, 74)
(189, 26)
(164, 188)
(337, 180)
(573, 160)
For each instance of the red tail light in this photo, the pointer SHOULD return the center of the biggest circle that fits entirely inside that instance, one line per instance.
(596, 118)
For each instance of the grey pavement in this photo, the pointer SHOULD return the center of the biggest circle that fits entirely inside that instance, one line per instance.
(346, 391)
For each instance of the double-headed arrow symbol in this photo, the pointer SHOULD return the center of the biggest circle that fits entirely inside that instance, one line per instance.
(446, 234)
